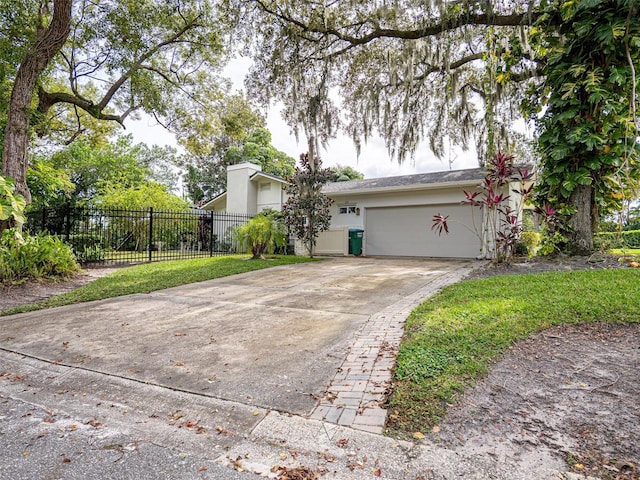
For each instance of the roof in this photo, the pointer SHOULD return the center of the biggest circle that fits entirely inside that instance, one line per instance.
(214, 200)
(268, 176)
(419, 180)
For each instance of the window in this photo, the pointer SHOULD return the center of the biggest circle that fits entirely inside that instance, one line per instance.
(346, 210)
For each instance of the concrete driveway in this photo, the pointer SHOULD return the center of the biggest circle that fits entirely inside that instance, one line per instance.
(211, 358)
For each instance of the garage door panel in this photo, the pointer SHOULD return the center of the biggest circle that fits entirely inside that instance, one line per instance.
(406, 231)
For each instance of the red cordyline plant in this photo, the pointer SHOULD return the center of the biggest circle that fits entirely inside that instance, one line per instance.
(500, 225)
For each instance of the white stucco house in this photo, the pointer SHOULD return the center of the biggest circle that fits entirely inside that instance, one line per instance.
(395, 212)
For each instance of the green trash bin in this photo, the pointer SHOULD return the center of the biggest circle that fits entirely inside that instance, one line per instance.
(355, 241)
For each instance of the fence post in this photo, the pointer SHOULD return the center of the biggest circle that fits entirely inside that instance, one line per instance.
(150, 233)
(67, 218)
(211, 233)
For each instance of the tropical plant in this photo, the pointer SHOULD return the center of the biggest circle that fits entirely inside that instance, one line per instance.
(11, 203)
(24, 257)
(500, 223)
(260, 235)
(307, 209)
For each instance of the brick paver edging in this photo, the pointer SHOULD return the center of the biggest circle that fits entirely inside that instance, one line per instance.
(356, 395)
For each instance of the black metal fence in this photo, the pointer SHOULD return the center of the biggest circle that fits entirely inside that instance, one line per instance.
(135, 236)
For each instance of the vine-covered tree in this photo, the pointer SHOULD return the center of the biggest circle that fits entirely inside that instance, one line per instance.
(589, 133)
(107, 60)
(307, 209)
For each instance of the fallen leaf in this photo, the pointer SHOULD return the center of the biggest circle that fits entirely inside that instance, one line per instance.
(579, 466)
(418, 435)
(179, 334)
(435, 429)
(343, 443)
(203, 469)
(376, 472)
(66, 460)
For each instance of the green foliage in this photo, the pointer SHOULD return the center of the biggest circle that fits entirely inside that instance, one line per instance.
(256, 148)
(307, 209)
(623, 239)
(344, 174)
(157, 276)
(590, 157)
(119, 57)
(49, 185)
(150, 194)
(11, 204)
(262, 234)
(142, 197)
(531, 241)
(552, 243)
(452, 339)
(24, 257)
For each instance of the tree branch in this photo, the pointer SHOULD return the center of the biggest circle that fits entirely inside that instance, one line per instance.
(455, 23)
(136, 64)
(47, 99)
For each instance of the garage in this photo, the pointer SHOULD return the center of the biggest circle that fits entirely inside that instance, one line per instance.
(406, 231)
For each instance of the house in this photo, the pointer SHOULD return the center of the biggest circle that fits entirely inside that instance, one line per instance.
(395, 212)
(249, 191)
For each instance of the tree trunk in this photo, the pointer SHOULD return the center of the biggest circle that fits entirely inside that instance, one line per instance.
(582, 222)
(48, 42)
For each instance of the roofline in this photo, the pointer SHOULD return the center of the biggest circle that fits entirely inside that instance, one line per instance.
(270, 176)
(412, 187)
(214, 199)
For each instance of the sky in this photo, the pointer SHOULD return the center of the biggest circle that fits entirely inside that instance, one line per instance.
(373, 162)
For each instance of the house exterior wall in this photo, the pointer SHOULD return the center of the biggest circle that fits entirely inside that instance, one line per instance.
(271, 197)
(242, 194)
(444, 200)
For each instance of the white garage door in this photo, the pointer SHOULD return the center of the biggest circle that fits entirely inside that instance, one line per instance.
(406, 231)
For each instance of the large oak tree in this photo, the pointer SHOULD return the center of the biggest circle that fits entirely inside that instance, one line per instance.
(107, 60)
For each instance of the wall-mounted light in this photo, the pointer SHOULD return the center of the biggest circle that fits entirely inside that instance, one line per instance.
(358, 211)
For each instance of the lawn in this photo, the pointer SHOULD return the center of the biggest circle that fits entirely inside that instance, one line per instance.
(156, 276)
(452, 339)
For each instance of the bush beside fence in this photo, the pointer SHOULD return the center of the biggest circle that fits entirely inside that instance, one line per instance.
(134, 236)
(623, 239)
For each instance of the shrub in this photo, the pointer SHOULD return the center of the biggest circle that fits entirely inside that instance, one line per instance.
(260, 235)
(531, 241)
(24, 257)
(623, 239)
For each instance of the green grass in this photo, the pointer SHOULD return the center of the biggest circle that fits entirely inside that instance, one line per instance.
(452, 339)
(156, 276)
